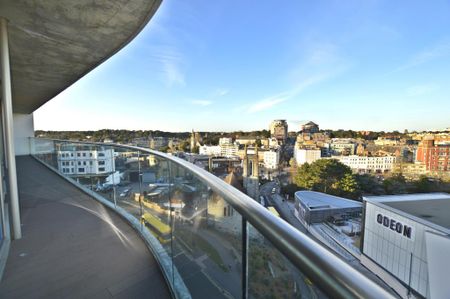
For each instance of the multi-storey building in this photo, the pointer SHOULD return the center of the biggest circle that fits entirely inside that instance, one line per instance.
(229, 149)
(271, 159)
(403, 242)
(387, 141)
(85, 162)
(435, 155)
(246, 140)
(225, 140)
(210, 150)
(279, 130)
(306, 155)
(364, 164)
(309, 127)
(157, 143)
(343, 146)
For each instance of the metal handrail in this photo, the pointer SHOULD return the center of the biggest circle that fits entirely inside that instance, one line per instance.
(334, 277)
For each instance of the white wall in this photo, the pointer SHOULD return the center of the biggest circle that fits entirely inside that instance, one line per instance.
(23, 129)
(438, 248)
(303, 156)
(392, 251)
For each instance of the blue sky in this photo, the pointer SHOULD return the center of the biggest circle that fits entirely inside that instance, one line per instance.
(227, 65)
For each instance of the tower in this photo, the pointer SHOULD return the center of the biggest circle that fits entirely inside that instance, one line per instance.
(251, 181)
(192, 140)
(255, 164)
(245, 163)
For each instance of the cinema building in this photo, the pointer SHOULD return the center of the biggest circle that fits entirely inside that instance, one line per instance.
(406, 242)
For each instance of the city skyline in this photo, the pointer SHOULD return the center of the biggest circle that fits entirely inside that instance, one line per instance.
(193, 67)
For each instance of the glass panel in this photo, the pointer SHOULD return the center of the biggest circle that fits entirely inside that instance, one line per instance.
(207, 238)
(154, 198)
(125, 181)
(271, 275)
(194, 232)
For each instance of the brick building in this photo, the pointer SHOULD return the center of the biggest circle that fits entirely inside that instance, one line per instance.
(434, 155)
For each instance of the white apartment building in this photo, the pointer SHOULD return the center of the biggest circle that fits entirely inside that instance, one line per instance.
(229, 150)
(225, 140)
(210, 150)
(364, 164)
(384, 141)
(246, 140)
(305, 155)
(273, 142)
(78, 162)
(225, 148)
(271, 159)
(343, 146)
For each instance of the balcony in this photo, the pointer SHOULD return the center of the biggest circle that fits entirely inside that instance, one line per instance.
(136, 223)
(73, 246)
(157, 226)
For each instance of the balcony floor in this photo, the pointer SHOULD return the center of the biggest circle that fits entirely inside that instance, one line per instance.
(69, 250)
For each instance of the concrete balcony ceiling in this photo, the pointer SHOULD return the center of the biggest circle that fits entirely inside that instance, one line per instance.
(54, 43)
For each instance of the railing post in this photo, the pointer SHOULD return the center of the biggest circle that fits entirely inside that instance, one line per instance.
(7, 114)
(112, 178)
(244, 258)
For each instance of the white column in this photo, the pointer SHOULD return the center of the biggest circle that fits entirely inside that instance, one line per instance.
(7, 114)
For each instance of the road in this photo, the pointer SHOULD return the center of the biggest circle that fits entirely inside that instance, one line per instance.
(285, 209)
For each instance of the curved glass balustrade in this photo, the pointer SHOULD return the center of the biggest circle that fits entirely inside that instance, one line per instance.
(211, 240)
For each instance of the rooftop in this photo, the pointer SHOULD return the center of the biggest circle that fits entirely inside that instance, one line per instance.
(317, 200)
(428, 207)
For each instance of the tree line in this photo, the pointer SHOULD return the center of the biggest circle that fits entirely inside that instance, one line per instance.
(332, 177)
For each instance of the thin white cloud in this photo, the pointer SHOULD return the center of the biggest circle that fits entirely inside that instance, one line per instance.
(202, 102)
(220, 92)
(419, 90)
(271, 101)
(439, 50)
(266, 103)
(321, 54)
(209, 100)
(172, 65)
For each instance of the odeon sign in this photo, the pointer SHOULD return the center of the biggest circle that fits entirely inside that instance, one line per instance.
(395, 225)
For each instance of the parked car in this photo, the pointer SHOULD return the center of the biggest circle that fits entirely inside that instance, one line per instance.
(125, 192)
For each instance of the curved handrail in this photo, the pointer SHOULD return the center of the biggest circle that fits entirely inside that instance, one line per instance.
(333, 276)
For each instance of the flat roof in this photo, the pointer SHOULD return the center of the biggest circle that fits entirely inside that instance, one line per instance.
(317, 200)
(428, 207)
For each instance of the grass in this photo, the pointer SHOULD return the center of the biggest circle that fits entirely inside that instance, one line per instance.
(197, 242)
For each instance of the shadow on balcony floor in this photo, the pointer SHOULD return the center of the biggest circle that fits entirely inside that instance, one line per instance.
(74, 247)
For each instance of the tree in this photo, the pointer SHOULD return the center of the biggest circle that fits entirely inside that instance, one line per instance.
(328, 176)
(369, 184)
(423, 185)
(290, 189)
(348, 186)
(395, 184)
(184, 146)
(164, 149)
(258, 142)
(304, 177)
(195, 150)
